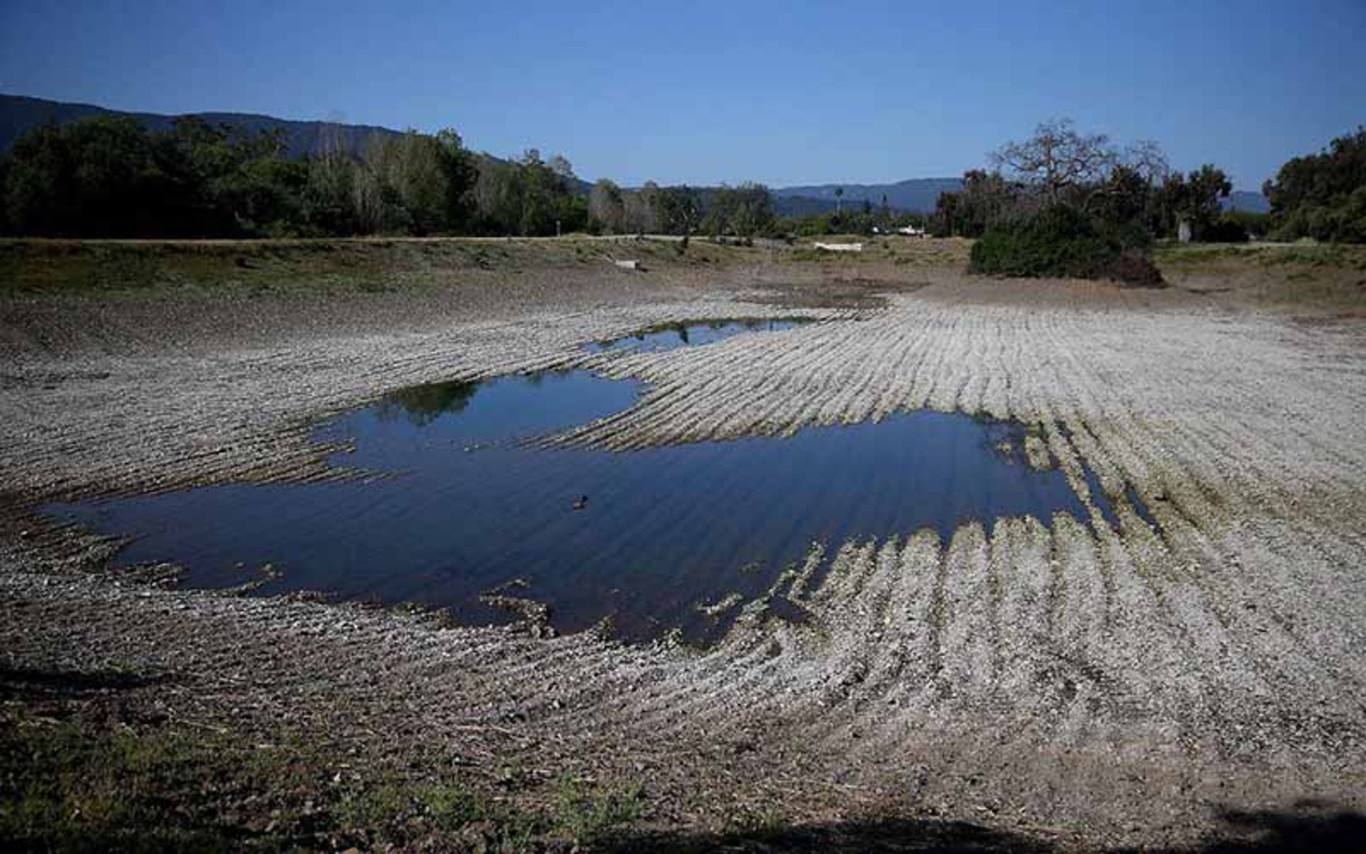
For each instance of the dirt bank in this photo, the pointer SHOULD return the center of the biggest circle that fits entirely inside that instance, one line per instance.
(1074, 684)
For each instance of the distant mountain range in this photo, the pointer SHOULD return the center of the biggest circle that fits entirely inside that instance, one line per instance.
(20, 114)
(1248, 201)
(916, 195)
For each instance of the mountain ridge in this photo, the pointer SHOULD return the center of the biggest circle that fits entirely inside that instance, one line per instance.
(20, 114)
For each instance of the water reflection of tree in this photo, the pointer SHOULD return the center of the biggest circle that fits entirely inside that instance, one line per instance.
(535, 378)
(423, 404)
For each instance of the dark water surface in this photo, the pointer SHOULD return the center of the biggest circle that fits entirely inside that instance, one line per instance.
(670, 336)
(470, 508)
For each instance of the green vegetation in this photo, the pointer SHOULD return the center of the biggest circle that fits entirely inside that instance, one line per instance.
(110, 177)
(866, 221)
(1322, 196)
(423, 404)
(1063, 203)
(1057, 241)
(77, 784)
(592, 813)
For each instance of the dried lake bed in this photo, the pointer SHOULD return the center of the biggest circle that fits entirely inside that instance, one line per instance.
(1112, 679)
(482, 515)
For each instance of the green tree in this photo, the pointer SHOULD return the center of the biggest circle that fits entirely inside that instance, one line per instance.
(1323, 195)
(1195, 197)
(680, 211)
(460, 171)
(752, 210)
(94, 178)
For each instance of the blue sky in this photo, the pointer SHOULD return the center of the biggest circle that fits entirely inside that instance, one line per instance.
(703, 92)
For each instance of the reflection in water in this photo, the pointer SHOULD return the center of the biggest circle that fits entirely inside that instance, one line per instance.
(669, 336)
(643, 536)
(421, 404)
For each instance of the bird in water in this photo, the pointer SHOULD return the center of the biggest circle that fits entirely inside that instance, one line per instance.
(581, 503)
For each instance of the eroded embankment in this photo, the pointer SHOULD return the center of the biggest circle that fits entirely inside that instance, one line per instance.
(1045, 670)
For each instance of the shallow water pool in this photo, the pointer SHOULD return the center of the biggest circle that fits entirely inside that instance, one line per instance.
(647, 537)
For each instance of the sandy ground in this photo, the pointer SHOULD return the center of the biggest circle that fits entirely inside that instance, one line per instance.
(1071, 683)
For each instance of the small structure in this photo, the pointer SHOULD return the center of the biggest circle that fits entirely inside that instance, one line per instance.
(1183, 231)
(840, 247)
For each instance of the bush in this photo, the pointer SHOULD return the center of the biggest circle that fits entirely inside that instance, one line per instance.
(1133, 269)
(1057, 241)
(1060, 241)
(1225, 230)
(1257, 225)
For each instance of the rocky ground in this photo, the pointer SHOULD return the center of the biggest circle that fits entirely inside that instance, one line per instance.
(1032, 682)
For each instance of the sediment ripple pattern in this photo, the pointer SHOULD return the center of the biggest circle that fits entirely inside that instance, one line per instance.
(1222, 643)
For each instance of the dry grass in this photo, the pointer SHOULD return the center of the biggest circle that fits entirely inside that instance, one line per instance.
(1294, 277)
(334, 265)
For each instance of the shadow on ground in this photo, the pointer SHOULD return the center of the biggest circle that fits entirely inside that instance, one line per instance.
(1306, 827)
(1309, 826)
(33, 683)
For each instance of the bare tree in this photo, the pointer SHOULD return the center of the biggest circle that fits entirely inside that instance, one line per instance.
(1147, 159)
(1056, 159)
(642, 209)
(497, 197)
(607, 206)
(752, 211)
(409, 178)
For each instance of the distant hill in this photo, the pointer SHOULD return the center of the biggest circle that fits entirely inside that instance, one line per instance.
(1247, 200)
(916, 195)
(20, 114)
(800, 206)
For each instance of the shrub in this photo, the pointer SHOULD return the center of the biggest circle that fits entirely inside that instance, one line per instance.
(1225, 230)
(1257, 225)
(1057, 241)
(1133, 269)
(1060, 241)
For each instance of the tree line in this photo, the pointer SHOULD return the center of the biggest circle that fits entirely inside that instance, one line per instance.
(1323, 195)
(1067, 203)
(109, 176)
(1135, 196)
(1130, 192)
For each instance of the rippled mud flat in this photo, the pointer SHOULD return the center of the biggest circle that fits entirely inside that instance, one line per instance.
(470, 506)
(1122, 678)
